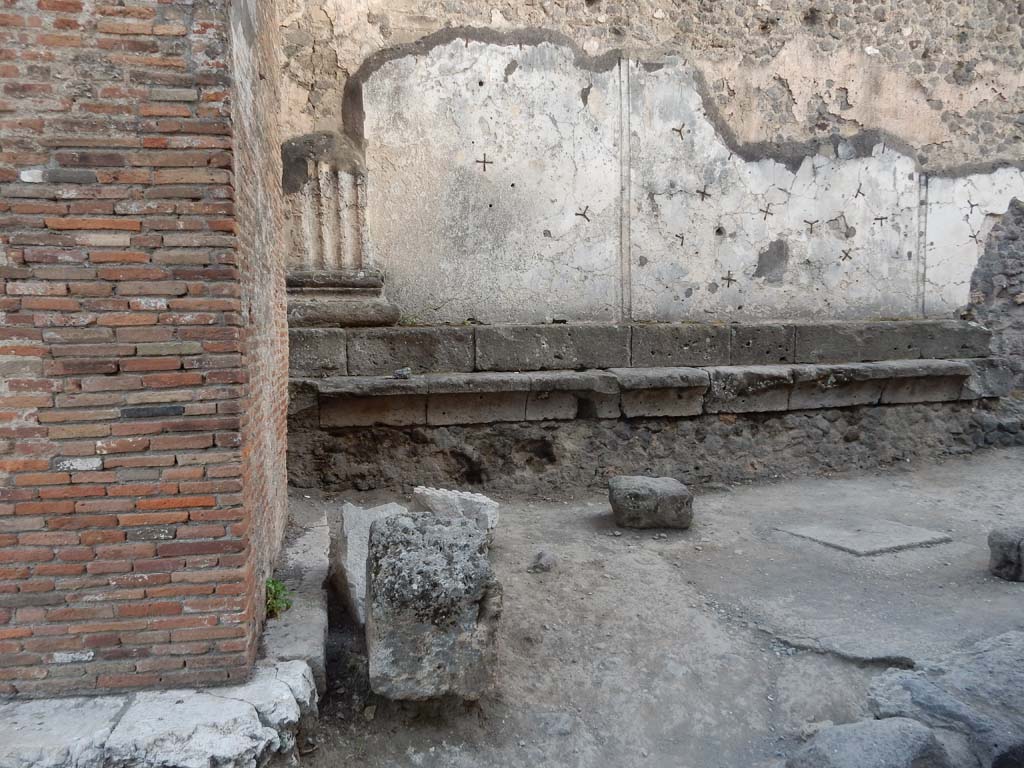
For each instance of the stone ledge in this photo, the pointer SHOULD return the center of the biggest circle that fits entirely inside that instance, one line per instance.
(512, 348)
(473, 398)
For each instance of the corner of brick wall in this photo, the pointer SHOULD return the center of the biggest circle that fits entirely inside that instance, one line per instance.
(141, 424)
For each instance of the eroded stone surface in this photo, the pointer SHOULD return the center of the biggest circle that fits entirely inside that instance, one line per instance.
(57, 733)
(349, 568)
(433, 604)
(1006, 549)
(474, 506)
(650, 502)
(892, 743)
(978, 694)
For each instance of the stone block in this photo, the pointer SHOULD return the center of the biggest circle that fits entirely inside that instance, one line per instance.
(551, 406)
(749, 389)
(433, 605)
(896, 742)
(597, 405)
(836, 386)
(348, 566)
(351, 312)
(990, 377)
(394, 410)
(764, 344)
(680, 344)
(473, 506)
(891, 340)
(650, 502)
(381, 351)
(662, 402)
(551, 347)
(602, 382)
(461, 383)
(924, 381)
(1006, 553)
(476, 408)
(316, 352)
(371, 386)
(51, 733)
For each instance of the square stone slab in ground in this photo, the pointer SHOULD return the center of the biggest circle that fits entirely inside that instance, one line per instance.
(870, 538)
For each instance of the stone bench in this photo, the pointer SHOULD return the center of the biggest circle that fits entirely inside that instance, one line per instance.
(324, 352)
(439, 399)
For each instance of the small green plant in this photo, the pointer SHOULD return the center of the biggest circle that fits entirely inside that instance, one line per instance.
(278, 600)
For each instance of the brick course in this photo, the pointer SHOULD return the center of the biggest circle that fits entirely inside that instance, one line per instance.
(143, 347)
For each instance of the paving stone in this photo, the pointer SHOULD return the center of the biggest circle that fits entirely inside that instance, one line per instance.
(433, 605)
(650, 502)
(763, 344)
(381, 351)
(551, 347)
(680, 344)
(892, 743)
(869, 538)
(300, 633)
(977, 693)
(473, 506)
(349, 560)
(1006, 551)
(57, 733)
(316, 352)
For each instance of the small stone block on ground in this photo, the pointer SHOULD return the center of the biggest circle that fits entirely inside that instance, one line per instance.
(433, 604)
(1006, 549)
(650, 502)
(349, 566)
(474, 506)
(870, 538)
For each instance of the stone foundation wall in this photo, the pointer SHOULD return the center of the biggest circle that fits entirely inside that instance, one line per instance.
(546, 457)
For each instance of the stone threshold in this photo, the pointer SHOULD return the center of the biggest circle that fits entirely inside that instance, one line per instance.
(470, 398)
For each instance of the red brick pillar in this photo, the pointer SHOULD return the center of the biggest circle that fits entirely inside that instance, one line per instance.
(128, 337)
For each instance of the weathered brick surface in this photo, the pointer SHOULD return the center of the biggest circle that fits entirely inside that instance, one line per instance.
(143, 351)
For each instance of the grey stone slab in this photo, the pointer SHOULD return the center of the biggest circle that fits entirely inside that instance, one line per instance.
(977, 694)
(459, 383)
(762, 344)
(551, 347)
(892, 743)
(392, 410)
(349, 559)
(661, 378)
(603, 382)
(300, 633)
(451, 503)
(190, 729)
(680, 344)
(748, 389)
(353, 312)
(551, 406)
(837, 386)
(874, 537)
(381, 351)
(369, 386)
(57, 733)
(843, 342)
(653, 403)
(315, 352)
(433, 604)
(476, 408)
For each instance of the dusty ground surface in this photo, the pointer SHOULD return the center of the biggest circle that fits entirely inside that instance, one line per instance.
(714, 647)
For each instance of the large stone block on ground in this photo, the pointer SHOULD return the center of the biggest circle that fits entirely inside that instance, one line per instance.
(57, 733)
(381, 351)
(551, 347)
(1006, 553)
(650, 502)
(893, 743)
(348, 569)
(977, 694)
(473, 506)
(433, 604)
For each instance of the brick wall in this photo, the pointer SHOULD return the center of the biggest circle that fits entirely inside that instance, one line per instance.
(129, 549)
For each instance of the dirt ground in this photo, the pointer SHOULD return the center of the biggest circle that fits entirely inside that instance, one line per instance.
(717, 647)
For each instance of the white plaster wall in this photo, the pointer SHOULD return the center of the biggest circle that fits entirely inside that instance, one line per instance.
(832, 236)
